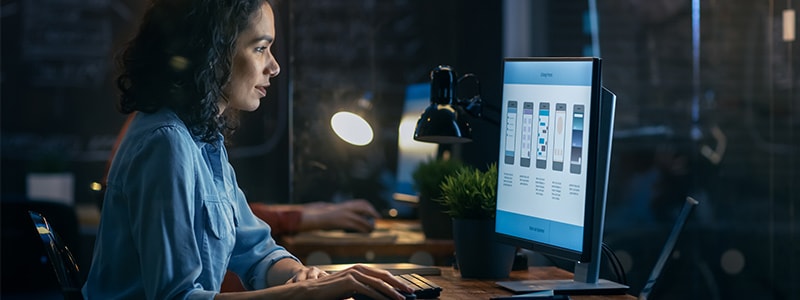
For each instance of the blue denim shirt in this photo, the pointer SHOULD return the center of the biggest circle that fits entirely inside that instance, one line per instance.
(174, 219)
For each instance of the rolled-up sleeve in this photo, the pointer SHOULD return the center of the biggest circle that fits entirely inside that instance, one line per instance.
(255, 251)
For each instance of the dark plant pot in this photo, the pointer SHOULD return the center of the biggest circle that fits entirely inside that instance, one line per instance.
(436, 224)
(477, 254)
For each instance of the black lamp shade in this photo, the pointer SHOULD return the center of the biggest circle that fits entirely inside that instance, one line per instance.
(442, 124)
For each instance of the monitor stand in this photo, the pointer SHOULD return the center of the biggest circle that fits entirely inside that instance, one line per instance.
(586, 282)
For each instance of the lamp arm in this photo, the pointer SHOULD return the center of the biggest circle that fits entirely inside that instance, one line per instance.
(491, 121)
(475, 105)
(491, 107)
(474, 77)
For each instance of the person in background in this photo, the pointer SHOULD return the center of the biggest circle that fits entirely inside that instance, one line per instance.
(354, 215)
(173, 217)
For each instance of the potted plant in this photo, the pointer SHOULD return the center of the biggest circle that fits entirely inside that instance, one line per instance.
(470, 197)
(428, 177)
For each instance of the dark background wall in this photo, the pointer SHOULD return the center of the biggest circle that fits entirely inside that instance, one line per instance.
(742, 241)
(57, 93)
(59, 99)
(343, 49)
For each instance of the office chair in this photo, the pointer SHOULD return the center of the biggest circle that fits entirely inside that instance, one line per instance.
(64, 264)
(25, 271)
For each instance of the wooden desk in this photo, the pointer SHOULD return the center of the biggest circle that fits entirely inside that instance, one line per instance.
(456, 288)
(393, 241)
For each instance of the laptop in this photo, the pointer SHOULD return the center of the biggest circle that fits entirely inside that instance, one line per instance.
(688, 206)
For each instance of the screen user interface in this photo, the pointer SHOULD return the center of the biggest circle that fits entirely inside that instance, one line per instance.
(541, 189)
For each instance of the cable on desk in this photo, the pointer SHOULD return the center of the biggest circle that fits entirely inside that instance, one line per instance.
(616, 265)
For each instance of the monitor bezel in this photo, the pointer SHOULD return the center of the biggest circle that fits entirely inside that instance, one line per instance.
(594, 204)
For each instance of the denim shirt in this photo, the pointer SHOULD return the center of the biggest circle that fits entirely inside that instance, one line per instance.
(174, 219)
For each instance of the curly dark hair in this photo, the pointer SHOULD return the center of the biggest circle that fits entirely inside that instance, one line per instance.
(180, 58)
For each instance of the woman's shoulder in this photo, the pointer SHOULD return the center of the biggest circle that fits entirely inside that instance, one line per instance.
(160, 129)
(164, 121)
(161, 117)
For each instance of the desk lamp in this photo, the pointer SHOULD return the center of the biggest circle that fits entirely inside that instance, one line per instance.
(443, 122)
(351, 126)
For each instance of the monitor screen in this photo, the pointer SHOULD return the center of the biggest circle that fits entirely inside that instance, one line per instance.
(554, 148)
(411, 153)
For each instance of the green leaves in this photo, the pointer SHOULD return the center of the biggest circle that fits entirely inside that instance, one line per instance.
(470, 193)
(429, 175)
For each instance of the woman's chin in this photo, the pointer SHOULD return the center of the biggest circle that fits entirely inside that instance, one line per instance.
(251, 106)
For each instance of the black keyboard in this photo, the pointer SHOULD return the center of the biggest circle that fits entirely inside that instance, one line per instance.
(423, 288)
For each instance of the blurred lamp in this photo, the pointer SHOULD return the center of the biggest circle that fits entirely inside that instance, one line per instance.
(351, 126)
(443, 122)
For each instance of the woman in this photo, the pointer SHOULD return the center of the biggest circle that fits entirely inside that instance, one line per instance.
(173, 218)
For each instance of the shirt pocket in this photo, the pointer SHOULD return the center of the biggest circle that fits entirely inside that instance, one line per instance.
(220, 220)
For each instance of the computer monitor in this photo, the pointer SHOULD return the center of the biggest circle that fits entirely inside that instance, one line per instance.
(555, 144)
(411, 153)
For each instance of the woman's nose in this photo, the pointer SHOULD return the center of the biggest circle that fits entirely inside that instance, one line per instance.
(273, 68)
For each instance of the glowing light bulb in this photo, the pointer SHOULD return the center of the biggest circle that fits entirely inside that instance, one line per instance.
(352, 128)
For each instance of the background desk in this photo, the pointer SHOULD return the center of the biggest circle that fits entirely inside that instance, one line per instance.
(456, 288)
(393, 241)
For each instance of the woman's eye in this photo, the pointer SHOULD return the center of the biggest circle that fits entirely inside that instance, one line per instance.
(261, 49)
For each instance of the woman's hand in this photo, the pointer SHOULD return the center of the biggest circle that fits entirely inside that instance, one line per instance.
(307, 273)
(368, 281)
(312, 283)
(349, 215)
